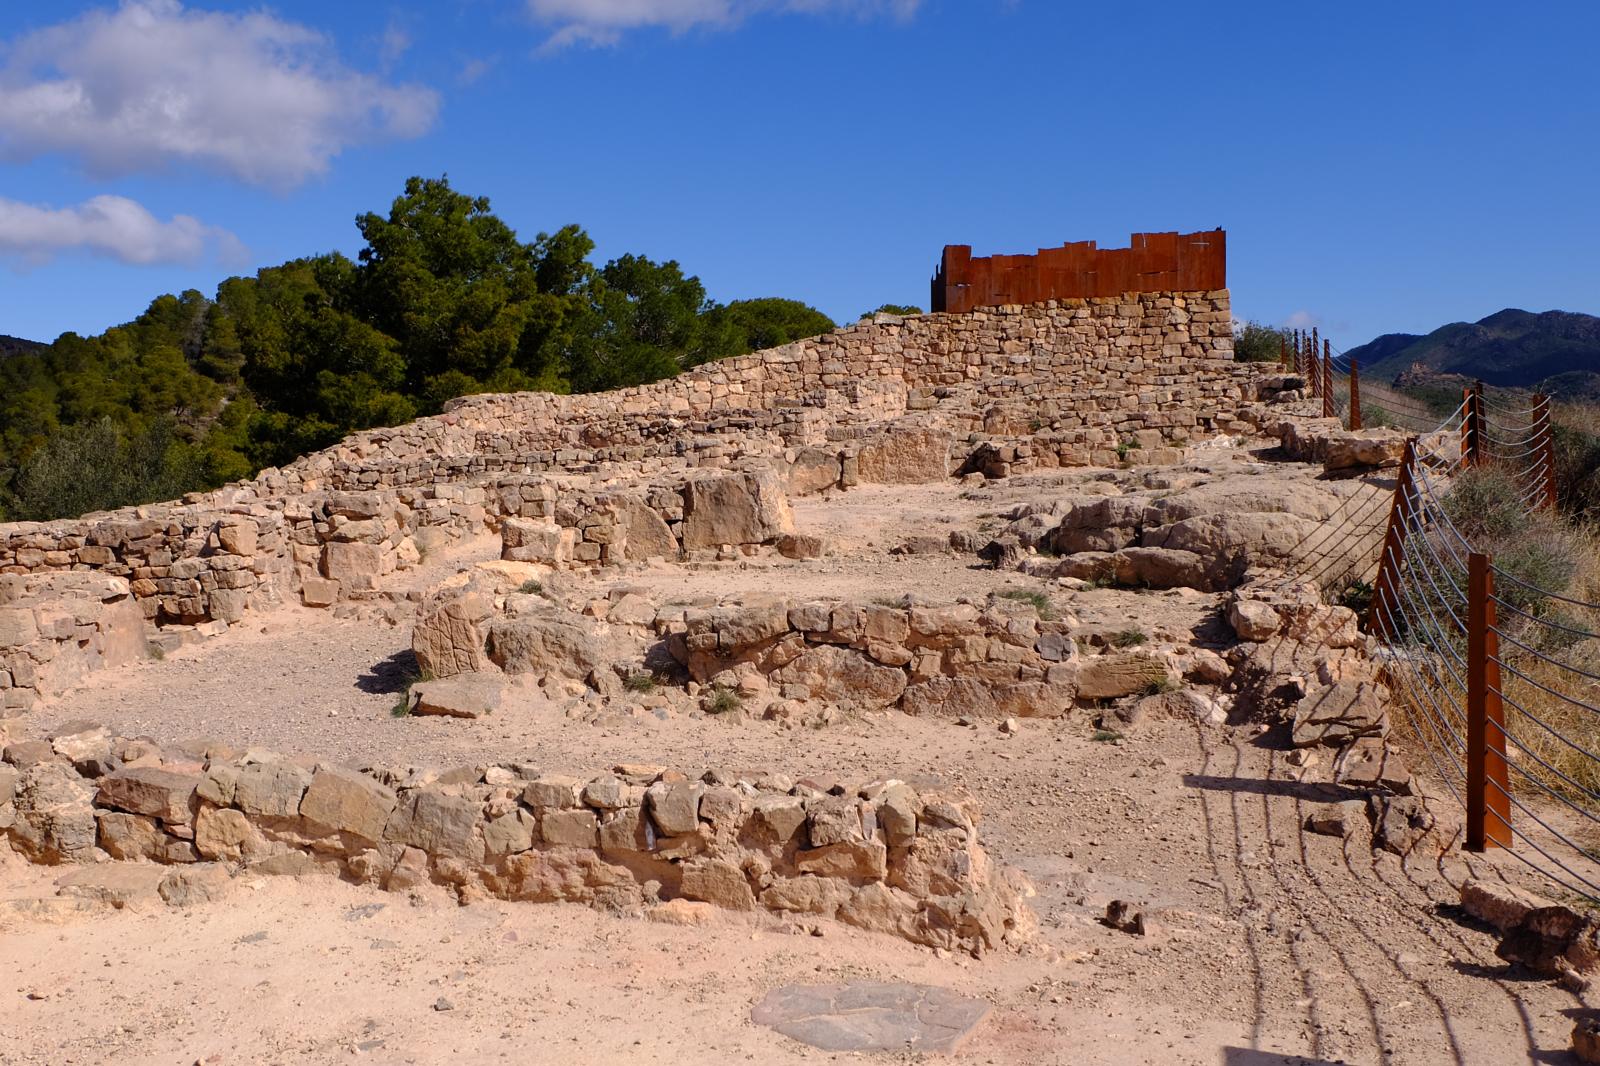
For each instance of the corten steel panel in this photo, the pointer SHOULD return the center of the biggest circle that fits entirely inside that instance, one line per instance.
(1153, 262)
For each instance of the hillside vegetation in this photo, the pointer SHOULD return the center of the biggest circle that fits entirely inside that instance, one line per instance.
(443, 300)
(1557, 352)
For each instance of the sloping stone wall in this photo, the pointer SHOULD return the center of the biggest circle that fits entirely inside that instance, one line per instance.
(884, 400)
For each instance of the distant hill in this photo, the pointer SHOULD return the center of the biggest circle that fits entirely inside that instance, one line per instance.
(16, 345)
(1556, 351)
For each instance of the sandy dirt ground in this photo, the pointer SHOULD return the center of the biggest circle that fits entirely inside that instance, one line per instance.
(1271, 945)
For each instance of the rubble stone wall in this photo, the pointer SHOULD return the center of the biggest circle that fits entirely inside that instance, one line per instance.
(885, 856)
(57, 628)
(888, 400)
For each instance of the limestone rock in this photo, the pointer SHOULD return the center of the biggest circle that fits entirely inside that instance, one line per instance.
(546, 645)
(1339, 713)
(1363, 448)
(193, 885)
(844, 675)
(53, 819)
(1499, 904)
(344, 801)
(149, 790)
(872, 1016)
(1118, 674)
(466, 695)
(748, 508)
(1253, 620)
(906, 455)
(450, 632)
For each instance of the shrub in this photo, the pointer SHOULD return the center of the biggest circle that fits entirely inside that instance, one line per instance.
(531, 588)
(723, 701)
(402, 706)
(1129, 638)
(1256, 343)
(639, 683)
(1037, 600)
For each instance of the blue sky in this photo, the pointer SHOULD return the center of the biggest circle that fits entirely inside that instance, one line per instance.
(1379, 167)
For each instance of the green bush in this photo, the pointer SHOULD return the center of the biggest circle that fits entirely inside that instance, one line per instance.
(1255, 343)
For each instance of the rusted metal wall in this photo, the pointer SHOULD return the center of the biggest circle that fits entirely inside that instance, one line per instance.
(1153, 262)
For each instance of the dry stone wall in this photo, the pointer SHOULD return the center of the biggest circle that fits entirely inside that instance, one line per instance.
(55, 629)
(885, 856)
(890, 400)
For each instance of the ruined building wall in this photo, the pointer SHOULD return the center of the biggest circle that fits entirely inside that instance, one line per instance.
(1072, 379)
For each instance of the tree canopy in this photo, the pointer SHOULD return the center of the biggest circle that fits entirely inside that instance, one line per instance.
(443, 300)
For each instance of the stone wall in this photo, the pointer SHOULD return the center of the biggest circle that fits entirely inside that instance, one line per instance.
(894, 399)
(885, 856)
(56, 628)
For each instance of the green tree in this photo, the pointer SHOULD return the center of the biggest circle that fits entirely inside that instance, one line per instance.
(894, 309)
(1255, 343)
(645, 322)
(97, 466)
(754, 325)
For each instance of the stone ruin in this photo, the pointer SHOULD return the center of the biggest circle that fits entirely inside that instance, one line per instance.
(700, 471)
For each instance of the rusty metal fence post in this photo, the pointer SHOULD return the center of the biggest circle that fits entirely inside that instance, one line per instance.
(1381, 612)
(1545, 442)
(1355, 395)
(1283, 352)
(1471, 426)
(1488, 784)
(1327, 380)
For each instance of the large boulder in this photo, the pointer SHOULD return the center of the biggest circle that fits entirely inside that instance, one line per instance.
(644, 533)
(844, 675)
(54, 815)
(545, 644)
(748, 508)
(450, 632)
(906, 455)
(1363, 449)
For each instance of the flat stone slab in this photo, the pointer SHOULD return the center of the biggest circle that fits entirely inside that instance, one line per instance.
(871, 1016)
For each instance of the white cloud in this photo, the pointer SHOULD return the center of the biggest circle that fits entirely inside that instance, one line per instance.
(1302, 320)
(112, 226)
(602, 22)
(151, 84)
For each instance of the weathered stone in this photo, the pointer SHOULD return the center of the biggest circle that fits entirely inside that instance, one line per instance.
(1253, 620)
(1118, 674)
(871, 1016)
(906, 455)
(119, 885)
(436, 823)
(1405, 825)
(450, 633)
(193, 885)
(1364, 449)
(858, 860)
(575, 828)
(344, 801)
(271, 789)
(1337, 819)
(748, 508)
(559, 791)
(719, 882)
(465, 695)
(1339, 713)
(1499, 904)
(545, 645)
(1370, 763)
(674, 807)
(646, 534)
(841, 674)
(148, 790)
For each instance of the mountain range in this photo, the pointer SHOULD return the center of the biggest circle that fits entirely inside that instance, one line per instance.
(1557, 352)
